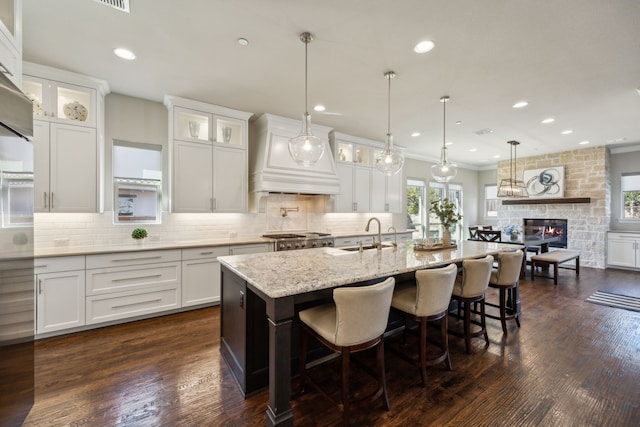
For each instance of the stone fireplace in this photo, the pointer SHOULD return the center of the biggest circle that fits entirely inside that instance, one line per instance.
(586, 176)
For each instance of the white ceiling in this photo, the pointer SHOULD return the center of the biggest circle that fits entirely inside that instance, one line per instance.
(575, 60)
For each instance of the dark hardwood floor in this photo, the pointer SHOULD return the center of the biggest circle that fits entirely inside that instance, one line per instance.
(572, 363)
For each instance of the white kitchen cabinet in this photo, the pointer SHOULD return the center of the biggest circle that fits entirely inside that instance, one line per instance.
(362, 187)
(201, 275)
(208, 157)
(62, 154)
(130, 284)
(355, 188)
(624, 250)
(60, 289)
(11, 40)
(61, 102)
(254, 248)
(68, 138)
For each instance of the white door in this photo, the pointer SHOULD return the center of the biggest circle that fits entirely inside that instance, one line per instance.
(61, 300)
(192, 177)
(362, 188)
(378, 191)
(344, 199)
(622, 253)
(74, 169)
(229, 180)
(200, 281)
(41, 166)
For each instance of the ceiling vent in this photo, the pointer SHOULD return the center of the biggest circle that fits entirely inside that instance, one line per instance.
(483, 131)
(121, 5)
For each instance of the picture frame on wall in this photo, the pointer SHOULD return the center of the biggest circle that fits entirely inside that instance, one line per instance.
(545, 182)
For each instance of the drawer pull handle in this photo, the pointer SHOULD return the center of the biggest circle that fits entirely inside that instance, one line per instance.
(40, 266)
(241, 299)
(137, 303)
(206, 253)
(124, 279)
(39, 286)
(136, 259)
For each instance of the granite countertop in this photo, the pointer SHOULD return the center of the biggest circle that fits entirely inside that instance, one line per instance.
(323, 268)
(144, 246)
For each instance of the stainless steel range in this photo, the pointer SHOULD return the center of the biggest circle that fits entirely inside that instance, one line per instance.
(293, 241)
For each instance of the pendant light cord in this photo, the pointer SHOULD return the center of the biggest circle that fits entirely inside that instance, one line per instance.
(389, 107)
(306, 77)
(444, 123)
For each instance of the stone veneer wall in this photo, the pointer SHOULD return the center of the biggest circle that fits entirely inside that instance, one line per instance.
(586, 174)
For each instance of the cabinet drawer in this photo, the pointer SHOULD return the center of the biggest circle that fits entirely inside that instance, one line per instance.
(104, 308)
(251, 249)
(205, 252)
(132, 258)
(624, 236)
(116, 279)
(55, 264)
(342, 242)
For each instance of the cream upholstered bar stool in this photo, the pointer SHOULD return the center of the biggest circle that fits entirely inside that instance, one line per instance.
(428, 300)
(470, 288)
(506, 278)
(356, 322)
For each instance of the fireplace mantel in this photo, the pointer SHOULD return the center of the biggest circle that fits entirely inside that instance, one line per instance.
(546, 201)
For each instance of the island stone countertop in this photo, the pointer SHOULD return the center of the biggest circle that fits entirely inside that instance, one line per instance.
(282, 274)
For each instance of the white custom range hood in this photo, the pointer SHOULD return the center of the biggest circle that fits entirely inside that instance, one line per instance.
(273, 170)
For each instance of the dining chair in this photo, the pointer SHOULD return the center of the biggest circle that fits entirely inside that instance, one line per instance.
(473, 233)
(356, 321)
(427, 300)
(490, 235)
(506, 278)
(470, 288)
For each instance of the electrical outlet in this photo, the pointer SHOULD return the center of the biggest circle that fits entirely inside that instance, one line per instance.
(61, 241)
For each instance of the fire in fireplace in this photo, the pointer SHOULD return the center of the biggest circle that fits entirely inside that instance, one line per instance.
(550, 228)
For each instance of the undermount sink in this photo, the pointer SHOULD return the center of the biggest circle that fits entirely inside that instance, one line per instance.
(365, 248)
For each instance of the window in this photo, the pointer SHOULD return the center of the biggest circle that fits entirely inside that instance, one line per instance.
(137, 180)
(491, 200)
(630, 186)
(416, 208)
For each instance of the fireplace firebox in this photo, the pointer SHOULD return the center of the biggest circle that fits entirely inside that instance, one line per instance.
(550, 228)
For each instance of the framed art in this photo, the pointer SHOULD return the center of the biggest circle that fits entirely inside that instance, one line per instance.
(545, 182)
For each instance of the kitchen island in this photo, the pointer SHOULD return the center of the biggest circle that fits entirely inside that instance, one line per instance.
(259, 350)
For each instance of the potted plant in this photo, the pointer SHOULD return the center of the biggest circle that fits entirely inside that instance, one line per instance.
(448, 215)
(138, 234)
(513, 231)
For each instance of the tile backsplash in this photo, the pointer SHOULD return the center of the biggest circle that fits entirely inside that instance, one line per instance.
(302, 214)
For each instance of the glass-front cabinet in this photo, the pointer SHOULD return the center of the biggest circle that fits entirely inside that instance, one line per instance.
(11, 39)
(354, 153)
(61, 102)
(198, 126)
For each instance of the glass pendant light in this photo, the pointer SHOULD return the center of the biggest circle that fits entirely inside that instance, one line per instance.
(444, 171)
(306, 149)
(512, 187)
(389, 161)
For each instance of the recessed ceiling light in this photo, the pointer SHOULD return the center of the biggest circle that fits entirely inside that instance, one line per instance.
(613, 141)
(497, 156)
(449, 143)
(583, 142)
(566, 132)
(473, 150)
(415, 134)
(548, 120)
(124, 54)
(243, 42)
(459, 122)
(424, 46)
(520, 104)
(319, 108)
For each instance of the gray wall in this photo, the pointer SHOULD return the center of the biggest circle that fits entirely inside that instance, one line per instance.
(621, 163)
(135, 120)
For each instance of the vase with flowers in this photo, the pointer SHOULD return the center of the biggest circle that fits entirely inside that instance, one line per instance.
(513, 231)
(448, 215)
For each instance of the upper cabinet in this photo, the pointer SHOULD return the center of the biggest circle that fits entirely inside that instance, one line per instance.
(208, 157)
(11, 40)
(362, 187)
(61, 102)
(68, 112)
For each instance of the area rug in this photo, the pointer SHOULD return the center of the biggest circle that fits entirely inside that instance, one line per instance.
(614, 300)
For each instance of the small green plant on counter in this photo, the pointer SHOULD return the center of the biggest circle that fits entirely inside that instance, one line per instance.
(446, 212)
(139, 233)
